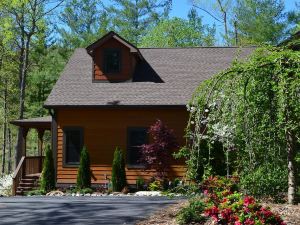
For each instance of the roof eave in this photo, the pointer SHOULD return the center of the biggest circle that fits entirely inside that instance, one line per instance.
(114, 106)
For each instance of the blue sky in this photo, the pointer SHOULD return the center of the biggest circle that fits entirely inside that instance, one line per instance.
(181, 8)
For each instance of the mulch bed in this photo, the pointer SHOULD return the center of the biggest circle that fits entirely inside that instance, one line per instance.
(166, 216)
(289, 213)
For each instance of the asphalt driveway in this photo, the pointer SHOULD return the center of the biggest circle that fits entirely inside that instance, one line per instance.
(79, 210)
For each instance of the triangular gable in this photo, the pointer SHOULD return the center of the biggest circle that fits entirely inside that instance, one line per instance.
(107, 37)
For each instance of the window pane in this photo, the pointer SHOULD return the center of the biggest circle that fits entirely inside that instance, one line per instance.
(73, 145)
(136, 138)
(112, 61)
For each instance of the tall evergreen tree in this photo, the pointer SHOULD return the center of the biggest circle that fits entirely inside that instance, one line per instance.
(83, 22)
(260, 21)
(132, 18)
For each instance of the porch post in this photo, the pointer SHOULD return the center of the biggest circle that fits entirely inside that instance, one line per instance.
(40, 146)
(40, 141)
(24, 137)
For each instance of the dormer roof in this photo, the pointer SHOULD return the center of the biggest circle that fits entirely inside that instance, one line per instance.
(107, 37)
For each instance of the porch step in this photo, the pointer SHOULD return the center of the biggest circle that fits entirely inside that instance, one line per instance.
(28, 183)
(33, 176)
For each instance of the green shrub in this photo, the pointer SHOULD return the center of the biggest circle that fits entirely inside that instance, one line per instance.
(86, 191)
(140, 183)
(192, 213)
(36, 192)
(219, 184)
(118, 177)
(266, 180)
(176, 182)
(48, 173)
(155, 186)
(81, 191)
(84, 171)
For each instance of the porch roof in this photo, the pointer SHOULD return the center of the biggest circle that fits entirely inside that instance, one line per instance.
(38, 122)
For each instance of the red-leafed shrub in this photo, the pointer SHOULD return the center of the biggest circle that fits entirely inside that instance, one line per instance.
(157, 154)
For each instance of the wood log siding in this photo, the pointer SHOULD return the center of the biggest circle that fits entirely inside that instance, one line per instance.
(128, 62)
(104, 129)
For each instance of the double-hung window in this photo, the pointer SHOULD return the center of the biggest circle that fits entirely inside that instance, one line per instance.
(73, 143)
(136, 138)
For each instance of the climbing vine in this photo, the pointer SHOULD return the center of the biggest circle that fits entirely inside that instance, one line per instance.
(253, 110)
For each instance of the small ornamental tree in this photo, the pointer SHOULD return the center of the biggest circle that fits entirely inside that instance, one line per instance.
(48, 173)
(84, 171)
(118, 177)
(157, 154)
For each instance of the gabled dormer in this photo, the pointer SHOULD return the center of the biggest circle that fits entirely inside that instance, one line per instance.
(114, 59)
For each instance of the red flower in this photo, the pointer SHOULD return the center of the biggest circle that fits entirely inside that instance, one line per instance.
(265, 213)
(246, 210)
(237, 223)
(227, 215)
(224, 200)
(248, 200)
(249, 222)
(212, 212)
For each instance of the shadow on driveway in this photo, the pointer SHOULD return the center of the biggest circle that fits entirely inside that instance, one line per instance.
(79, 210)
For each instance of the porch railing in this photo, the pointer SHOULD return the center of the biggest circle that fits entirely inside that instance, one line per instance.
(27, 165)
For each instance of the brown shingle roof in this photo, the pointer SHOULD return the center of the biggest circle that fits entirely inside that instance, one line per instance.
(180, 69)
(38, 122)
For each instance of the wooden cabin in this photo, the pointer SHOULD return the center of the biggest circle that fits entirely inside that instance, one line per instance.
(109, 94)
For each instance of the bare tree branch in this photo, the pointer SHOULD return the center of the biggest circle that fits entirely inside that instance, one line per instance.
(204, 10)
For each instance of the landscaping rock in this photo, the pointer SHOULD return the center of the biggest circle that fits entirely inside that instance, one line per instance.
(148, 193)
(55, 193)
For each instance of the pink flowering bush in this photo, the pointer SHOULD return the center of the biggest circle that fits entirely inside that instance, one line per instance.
(227, 206)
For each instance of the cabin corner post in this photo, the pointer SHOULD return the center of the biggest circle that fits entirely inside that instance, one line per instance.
(54, 142)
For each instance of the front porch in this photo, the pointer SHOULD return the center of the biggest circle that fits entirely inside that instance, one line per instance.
(29, 168)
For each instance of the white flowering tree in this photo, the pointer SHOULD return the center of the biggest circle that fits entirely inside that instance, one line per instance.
(6, 185)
